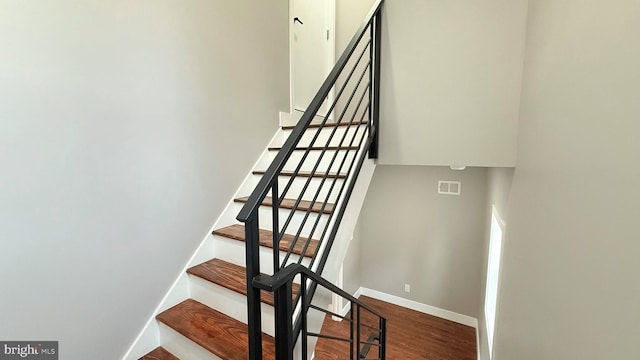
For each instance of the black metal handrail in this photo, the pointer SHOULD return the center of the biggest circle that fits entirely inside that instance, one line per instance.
(355, 110)
(282, 284)
(270, 176)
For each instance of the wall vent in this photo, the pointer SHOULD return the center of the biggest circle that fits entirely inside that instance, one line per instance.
(449, 187)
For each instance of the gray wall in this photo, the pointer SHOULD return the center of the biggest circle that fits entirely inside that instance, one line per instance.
(410, 234)
(498, 189)
(570, 286)
(451, 80)
(120, 132)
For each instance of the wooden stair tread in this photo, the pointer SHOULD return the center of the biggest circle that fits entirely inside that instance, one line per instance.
(289, 203)
(236, 232)
(329, 125)
(230, 276)
(159, 353)
(317, 148)
(306, 174)
(220, 334)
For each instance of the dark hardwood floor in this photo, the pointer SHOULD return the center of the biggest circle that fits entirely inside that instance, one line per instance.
(411, 335)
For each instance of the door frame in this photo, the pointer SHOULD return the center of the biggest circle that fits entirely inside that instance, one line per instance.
(331, 55)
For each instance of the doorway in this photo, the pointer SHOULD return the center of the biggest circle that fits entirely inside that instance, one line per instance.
(312, 54)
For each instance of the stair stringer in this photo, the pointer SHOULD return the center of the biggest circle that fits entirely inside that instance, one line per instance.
(149, 338)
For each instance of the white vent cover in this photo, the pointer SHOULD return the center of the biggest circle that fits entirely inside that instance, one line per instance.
(449, 187)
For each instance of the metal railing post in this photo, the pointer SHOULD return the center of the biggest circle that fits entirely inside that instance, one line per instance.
(351, 329)
(382, 351)
(357, 331)
(254, 319)
(284, 327)
(377, 33)
(275, 210)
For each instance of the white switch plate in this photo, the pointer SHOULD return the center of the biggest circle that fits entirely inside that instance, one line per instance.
(407, 288)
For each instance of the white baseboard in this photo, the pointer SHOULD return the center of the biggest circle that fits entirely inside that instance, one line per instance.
(423, 308)
(358, 293)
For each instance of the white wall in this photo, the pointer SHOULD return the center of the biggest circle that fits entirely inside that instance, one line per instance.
(570, 285)
(350, 15)
(498, 189)
(451, 80)
(410, 234)
(125, 127)
(352, 278)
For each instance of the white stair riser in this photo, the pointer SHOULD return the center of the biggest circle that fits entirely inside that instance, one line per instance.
(297, 185)
(229, 302)
(265, 220)
(234, 251)
(338, 138)
(181, 347)
(339, 161)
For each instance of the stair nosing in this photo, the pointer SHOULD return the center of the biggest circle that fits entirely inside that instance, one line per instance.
(314, 244)
(327, 125)
(316, 148)
(210, 313)
(266, 297)
(303, 206)
(305, 174)
(159, 353)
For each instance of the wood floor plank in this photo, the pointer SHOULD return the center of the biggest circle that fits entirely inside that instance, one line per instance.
(304, 205)
(236, 232)
(159, 353)
(410, 335)
(220, 334)
(230, 276)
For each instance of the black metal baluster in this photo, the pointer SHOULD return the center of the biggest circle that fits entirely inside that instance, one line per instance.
(325, 176)
(382, 339)
(358, 332)
(275, 214)
(324, 232)
(330, 191)
(326, 117)
(303, 309)
(340, 213)
(310, 178)
(351, 355)
(372, 35)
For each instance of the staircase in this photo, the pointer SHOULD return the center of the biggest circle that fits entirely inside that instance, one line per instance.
(254, 289)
